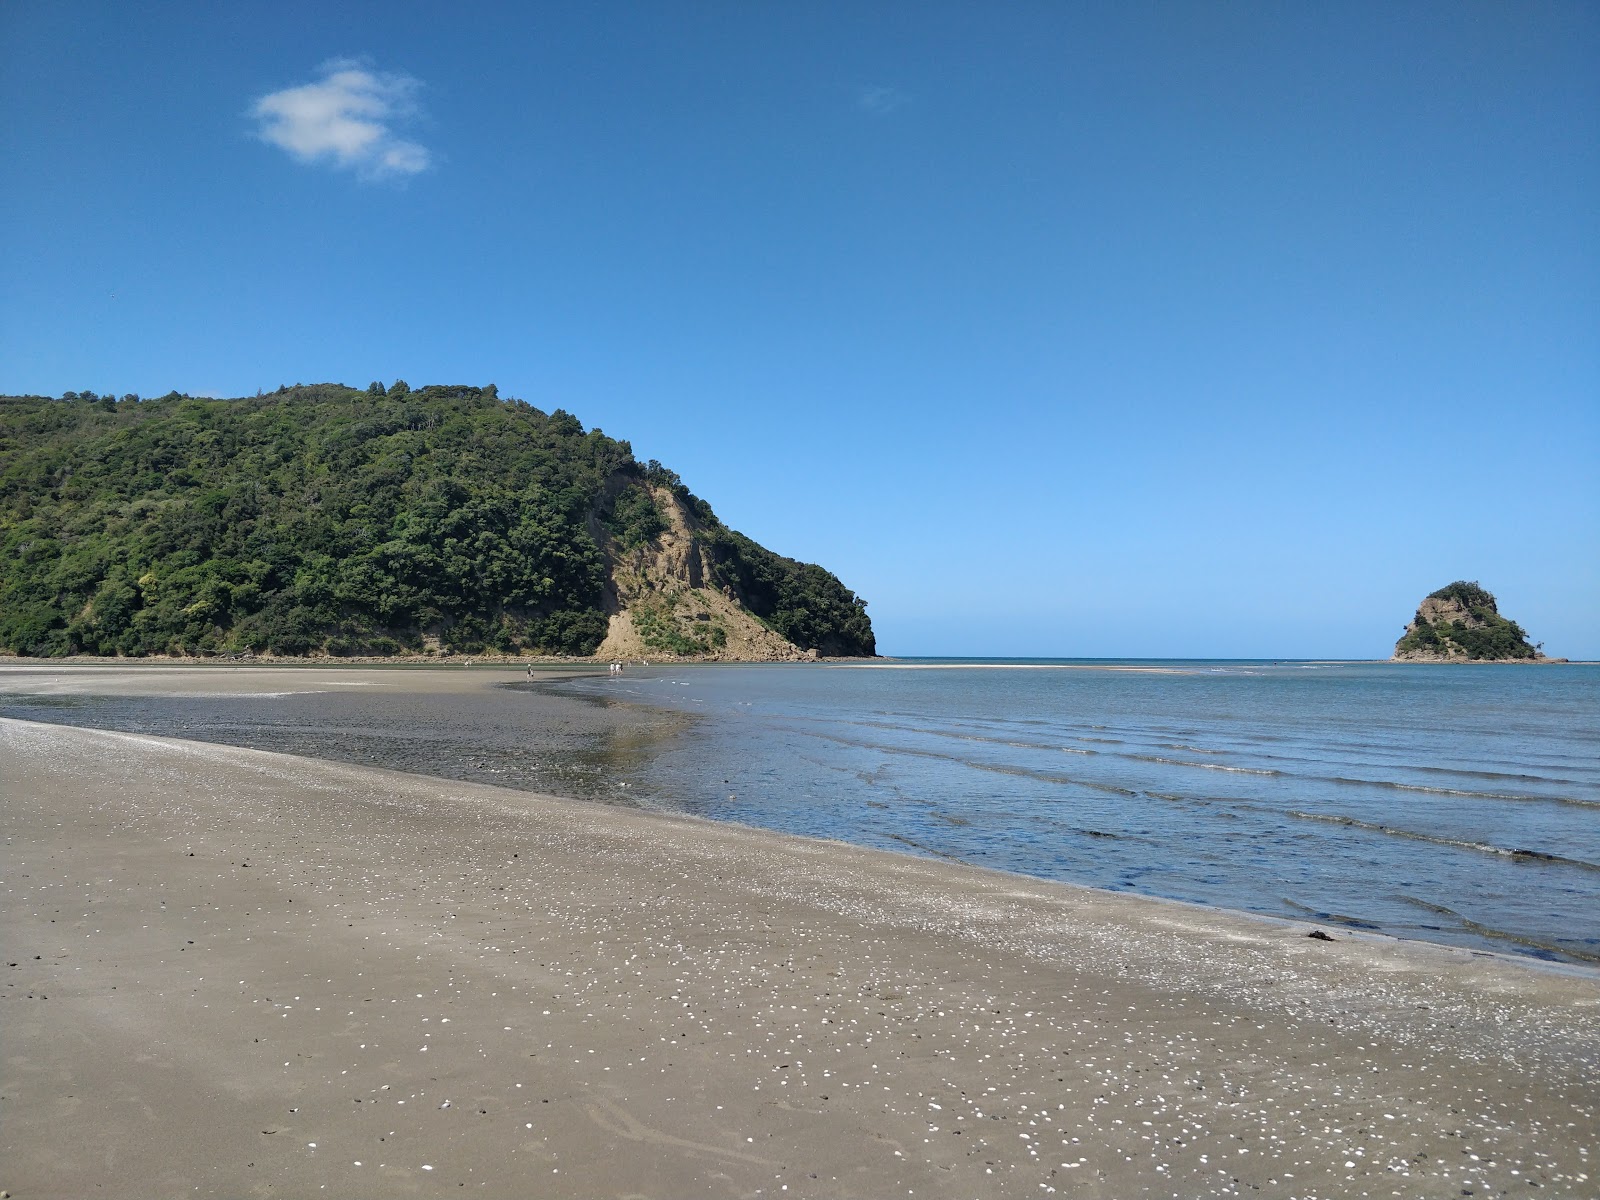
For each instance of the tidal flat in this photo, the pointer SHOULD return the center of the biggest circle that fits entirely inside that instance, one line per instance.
(237, 971)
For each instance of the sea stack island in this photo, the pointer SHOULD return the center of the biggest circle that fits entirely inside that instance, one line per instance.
(1462, 623)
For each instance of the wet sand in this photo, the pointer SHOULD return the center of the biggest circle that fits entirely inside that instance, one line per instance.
(243, 973)
(454, 722)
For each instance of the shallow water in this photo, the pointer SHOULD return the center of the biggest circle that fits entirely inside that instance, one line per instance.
(1456, 804)
(521, 737)
(1453, 804)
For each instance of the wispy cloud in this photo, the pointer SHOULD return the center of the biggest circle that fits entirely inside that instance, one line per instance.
(345, 118)
(879, 100)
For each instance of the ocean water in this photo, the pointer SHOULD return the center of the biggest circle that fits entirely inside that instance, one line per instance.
(1448, 803)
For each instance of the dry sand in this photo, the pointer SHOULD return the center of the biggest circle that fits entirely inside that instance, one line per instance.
(235, 973)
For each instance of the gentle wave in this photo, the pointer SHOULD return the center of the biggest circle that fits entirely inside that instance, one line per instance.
(1013, 743)
(1113, 789)
(1021, 772)
(1521, 777)
(1548, 945)
(1339, 789)
(1440, 840)
(1331, 917)
(1435, 791)
(1178, 762)
(1489, 931)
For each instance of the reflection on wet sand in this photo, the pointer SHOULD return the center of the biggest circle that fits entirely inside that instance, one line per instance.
(503, 729)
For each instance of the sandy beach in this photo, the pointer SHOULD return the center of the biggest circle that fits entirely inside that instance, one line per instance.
(231, 972)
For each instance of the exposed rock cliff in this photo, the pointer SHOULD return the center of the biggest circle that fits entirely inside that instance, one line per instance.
(664, 598)
(1462, 623)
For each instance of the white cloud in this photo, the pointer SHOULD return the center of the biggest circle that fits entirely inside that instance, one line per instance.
(881, 100)
(344, 118)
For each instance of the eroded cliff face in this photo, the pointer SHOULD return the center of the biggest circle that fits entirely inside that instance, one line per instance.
(1429, 613)
(1462, 623)
(663, 602)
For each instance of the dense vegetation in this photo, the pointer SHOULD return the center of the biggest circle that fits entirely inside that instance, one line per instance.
(1486, 635)
(326, 519)
(1474, 597)
(801, 601)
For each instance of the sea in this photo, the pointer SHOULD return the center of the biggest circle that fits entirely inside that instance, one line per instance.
(1450, 803)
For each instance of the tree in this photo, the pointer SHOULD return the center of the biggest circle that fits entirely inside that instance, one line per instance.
(321, 520)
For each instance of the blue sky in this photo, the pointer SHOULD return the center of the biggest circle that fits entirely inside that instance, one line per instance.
(1056, 329)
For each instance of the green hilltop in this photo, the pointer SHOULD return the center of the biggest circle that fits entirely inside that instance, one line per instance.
(330, 520)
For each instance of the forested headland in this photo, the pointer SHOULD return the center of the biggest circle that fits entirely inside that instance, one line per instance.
(328, 520)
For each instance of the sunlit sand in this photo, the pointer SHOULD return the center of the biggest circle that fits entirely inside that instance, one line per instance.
(234, 972)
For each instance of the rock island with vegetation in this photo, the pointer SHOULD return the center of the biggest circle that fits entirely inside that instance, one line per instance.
(1462, 623)
(327, 520)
